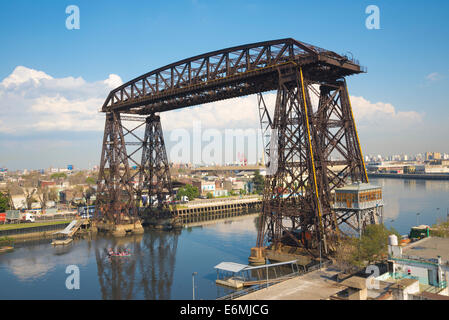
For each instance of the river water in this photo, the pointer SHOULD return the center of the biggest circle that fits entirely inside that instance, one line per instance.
(162, 263)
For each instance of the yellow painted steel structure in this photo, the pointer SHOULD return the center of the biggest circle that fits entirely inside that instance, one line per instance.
(356, 133)
(311, 151)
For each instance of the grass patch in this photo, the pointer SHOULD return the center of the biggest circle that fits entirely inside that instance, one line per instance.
(30, 225)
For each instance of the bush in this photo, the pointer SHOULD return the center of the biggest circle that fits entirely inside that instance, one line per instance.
(371, 247)
(188, 190)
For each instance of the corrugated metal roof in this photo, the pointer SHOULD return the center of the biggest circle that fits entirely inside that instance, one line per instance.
(231, 266)
(237, 267)
(271, 265)
(358, 187)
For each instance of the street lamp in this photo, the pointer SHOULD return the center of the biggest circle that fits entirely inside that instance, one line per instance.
(193, 285)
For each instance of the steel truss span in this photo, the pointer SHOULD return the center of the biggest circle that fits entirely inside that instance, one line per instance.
(310, 141)
(224, 74)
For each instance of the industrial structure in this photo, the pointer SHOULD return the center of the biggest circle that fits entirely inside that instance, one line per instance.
(311, 131)
(358, 205)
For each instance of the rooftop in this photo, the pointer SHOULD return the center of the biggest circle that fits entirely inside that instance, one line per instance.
(429, 248)
(355, 282)
(359, 187)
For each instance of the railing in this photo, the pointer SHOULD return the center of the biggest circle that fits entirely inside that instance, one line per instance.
(258, 287)
(401, 275)
(66, 216)
(417, 259)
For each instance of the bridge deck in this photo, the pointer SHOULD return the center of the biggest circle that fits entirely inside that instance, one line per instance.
(225, 74)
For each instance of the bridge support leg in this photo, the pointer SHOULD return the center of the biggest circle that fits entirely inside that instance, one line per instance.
(115, 195)
(305, 141)
(155, 171)
(292, 215)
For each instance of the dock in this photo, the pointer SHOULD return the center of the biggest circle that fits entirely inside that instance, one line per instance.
(242, 275)
(72, 228)
(69, 232)
(62, 242)
(198, 211)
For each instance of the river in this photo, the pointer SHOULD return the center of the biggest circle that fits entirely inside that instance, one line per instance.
(162, 263)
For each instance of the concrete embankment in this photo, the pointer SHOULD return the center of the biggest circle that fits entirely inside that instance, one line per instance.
(410, 176)
(32, 231)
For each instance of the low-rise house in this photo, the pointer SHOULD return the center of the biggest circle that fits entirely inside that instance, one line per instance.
(204, 187)
(419, 267)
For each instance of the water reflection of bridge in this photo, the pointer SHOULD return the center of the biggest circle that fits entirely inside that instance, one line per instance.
(146, 274)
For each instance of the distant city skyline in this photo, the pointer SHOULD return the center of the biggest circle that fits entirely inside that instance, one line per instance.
(53, 80)
(95, 166)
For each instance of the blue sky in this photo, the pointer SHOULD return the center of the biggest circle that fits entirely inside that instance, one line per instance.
(406, 59)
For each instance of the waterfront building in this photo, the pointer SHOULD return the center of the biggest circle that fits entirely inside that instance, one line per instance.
(204, 187)
(359, 204)
(424, 262)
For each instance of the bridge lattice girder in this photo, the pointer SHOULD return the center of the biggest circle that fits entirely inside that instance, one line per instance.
(225, 74)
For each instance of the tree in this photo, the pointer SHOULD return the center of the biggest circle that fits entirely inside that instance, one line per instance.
(42, 194)
(29, 196)
(87, 194)
(374, 243)
(78, 178)
(209, 195)
(258, 181)
(4, 203)
(359, 252)
(188, 190)
(53, 194)
(58, 175)
(90, 181)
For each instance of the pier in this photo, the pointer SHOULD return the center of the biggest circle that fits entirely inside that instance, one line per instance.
(217, 209)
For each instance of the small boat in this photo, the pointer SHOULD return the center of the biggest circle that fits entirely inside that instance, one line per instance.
(119, 253)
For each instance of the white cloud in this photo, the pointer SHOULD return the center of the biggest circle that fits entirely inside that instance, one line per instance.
(382, 116)
(32, 100)
(434, 76)
(233, 113)
(22, 74)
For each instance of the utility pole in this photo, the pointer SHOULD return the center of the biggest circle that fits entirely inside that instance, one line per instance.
(193, 285)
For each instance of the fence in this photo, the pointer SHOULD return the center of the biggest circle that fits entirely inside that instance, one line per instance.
(257, 287)
(56, 217)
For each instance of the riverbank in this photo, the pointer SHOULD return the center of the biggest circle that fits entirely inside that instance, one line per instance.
(15, 226)
(38, 230)
(419, 176)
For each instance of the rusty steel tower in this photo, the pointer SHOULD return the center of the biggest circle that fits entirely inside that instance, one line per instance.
(310, 141)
